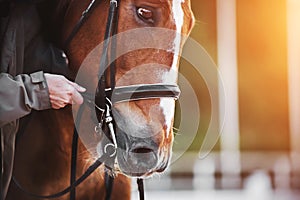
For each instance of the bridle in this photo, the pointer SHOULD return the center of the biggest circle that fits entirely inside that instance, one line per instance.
(104, 99)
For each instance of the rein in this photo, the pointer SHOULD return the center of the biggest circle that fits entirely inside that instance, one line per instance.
(87, 173)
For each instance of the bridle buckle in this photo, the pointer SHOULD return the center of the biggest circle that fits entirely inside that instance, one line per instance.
(114, 2)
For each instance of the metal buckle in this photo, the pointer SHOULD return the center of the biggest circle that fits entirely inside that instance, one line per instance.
(108, 120)
(110, 145)
(115, 2)
(98, 128)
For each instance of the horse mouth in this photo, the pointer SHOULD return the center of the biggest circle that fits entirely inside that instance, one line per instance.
(137, 162)
(140, 162)
(140, 152)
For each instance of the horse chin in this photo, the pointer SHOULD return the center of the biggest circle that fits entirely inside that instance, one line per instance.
(140, 165)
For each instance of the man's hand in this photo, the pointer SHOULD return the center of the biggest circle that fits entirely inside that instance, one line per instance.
(62, 91)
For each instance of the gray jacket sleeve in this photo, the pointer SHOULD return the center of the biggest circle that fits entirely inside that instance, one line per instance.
(20, 94)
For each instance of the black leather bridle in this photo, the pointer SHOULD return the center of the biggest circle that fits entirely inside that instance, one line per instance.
(105, 97)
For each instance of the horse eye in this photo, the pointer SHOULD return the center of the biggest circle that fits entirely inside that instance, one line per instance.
(145, 15)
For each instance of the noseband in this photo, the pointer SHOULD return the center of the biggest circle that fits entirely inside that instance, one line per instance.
(105, 97)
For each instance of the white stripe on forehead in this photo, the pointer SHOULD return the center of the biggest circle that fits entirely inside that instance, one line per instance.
(168, 105)
(178, 17)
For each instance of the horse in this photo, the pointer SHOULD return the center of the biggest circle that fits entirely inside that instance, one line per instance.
(143, 131)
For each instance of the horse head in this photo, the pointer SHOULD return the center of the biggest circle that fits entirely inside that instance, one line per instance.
(151, 34)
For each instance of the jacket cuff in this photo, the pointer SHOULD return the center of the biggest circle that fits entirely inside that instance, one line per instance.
(38, 78)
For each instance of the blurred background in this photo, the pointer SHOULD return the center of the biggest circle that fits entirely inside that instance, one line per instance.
(255, 46)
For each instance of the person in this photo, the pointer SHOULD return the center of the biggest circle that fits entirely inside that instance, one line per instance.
(32, 77)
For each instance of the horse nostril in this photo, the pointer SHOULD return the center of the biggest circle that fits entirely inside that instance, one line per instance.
(142, 150)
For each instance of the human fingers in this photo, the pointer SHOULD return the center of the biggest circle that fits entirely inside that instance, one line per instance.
(77, 87)
(76, 97)
(62, 91)
(58, 105)
(58, 102)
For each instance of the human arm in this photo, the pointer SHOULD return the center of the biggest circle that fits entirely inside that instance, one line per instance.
(22, 93)
(38, 91)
